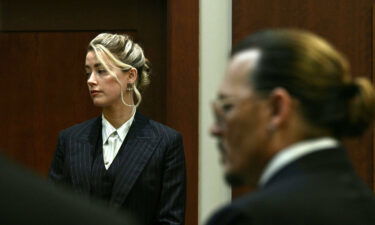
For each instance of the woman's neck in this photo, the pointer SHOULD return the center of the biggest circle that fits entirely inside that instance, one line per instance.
(117, 116)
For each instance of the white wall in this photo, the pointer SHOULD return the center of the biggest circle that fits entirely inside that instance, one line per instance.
(215, 42)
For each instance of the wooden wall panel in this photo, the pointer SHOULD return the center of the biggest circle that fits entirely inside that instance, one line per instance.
(39, 15)
(183, 88)
(45, 91)
(345, 23)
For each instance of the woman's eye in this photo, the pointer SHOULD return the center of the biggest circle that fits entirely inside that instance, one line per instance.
(102, 72)
(88, 74)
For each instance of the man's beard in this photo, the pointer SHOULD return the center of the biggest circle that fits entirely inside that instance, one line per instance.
(234, 180)
(231, 178)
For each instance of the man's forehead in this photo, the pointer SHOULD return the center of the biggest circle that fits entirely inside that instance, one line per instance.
(236, 79)
(245, 60)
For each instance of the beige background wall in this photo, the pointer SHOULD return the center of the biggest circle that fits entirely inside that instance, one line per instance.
(215, 42)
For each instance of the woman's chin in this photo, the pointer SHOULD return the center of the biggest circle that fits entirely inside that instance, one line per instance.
(99, 103)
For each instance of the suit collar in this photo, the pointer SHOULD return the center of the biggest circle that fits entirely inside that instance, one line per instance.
(122, 131)
(295, 151)
(91, 131)
(140, 128)
(327, 159)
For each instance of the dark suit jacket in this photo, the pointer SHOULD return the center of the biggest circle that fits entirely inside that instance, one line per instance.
(319, 188)
(26, 199)
(151, 180)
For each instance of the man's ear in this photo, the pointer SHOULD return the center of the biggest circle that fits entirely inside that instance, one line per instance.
(281, 107)
(133, 75)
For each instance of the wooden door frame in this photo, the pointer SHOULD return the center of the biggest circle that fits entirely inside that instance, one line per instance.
(373, 82)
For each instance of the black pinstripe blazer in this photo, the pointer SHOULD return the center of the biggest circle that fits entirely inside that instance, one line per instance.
(151, 181)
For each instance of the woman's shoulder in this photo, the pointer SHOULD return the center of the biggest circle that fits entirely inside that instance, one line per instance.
(82, 126)
(157, 127)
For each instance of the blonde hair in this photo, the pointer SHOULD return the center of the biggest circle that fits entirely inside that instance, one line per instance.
(316, 74)
(124, 53)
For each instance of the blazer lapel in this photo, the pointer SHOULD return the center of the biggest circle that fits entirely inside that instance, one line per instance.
(82, 153)
(140, 145)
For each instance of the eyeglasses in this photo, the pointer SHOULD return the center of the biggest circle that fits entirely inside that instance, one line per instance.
(223, 106)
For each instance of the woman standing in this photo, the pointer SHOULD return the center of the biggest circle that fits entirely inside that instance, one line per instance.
(122, 157)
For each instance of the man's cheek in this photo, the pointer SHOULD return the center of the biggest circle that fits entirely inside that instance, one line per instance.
(237, 132)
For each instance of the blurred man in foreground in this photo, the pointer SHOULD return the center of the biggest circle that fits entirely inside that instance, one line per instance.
(28, 200)
(284, 105)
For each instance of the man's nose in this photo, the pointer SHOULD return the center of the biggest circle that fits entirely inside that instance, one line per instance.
(216, 130)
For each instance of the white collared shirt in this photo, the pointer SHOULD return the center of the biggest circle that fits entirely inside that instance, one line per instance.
(292, 153)
(109, 150)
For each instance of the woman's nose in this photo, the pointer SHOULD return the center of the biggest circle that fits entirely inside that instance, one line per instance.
(91, 79)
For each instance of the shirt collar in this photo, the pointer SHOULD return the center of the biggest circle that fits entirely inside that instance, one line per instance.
(294, 152)
(122, 131)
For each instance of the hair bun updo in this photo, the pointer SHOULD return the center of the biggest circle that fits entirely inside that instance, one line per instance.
(125, 54)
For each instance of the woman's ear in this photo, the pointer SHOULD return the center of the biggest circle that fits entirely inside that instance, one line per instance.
(132, 75)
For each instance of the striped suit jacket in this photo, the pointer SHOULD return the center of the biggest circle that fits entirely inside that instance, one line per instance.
(151, 181)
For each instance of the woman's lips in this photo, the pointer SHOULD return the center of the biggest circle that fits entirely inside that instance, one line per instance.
(94, 92)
